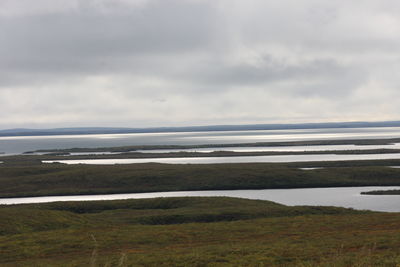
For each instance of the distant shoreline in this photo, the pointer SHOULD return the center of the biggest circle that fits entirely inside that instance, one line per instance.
(247, 127)
(125, 149)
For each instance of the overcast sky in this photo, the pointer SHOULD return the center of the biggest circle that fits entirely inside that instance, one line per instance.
(139, 63)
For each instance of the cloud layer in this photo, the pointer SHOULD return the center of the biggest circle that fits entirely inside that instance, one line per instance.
(139, 63)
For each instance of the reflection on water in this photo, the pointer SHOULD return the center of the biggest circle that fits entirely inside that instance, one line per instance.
(20, 144)
(276, 148)
(93, 153)
(241, 159)
(348, 197)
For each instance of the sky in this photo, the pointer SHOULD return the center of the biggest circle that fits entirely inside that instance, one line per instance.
(149, 63)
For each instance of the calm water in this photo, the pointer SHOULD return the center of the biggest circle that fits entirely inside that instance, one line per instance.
(276, 148)
(241, 159)
(22, 144)
(245, 149)
(348, 197)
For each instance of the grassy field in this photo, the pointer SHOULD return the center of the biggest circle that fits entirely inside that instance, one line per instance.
(195, 232)
(61, 179)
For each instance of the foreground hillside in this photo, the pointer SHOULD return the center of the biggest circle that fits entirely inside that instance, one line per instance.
(195, 232)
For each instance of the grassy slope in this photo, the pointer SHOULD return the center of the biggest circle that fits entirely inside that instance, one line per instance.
(60, 179)
(150, 233)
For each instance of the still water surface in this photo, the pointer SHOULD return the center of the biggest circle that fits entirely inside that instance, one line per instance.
(20, 144)
(348, 197)
(244, 149)
(239, 159)
(276, 148)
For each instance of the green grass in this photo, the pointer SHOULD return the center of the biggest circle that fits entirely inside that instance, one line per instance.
(60, 179)
(26, 218)
(195, 232)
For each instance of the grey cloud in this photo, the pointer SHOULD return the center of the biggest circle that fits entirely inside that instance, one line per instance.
(187, 61)
(89, 40)
(321, 77)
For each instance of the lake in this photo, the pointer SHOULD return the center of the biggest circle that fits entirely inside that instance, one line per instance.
(235, 159)
(20, 144)
(348, 197)
(308, 148)
(274, 148)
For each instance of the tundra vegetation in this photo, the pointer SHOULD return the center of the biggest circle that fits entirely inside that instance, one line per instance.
(61, 179)
(195, 231)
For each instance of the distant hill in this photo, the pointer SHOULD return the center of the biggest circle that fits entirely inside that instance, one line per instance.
(115, 130)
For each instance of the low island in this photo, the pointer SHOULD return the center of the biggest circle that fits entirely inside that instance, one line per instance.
(382, 192)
